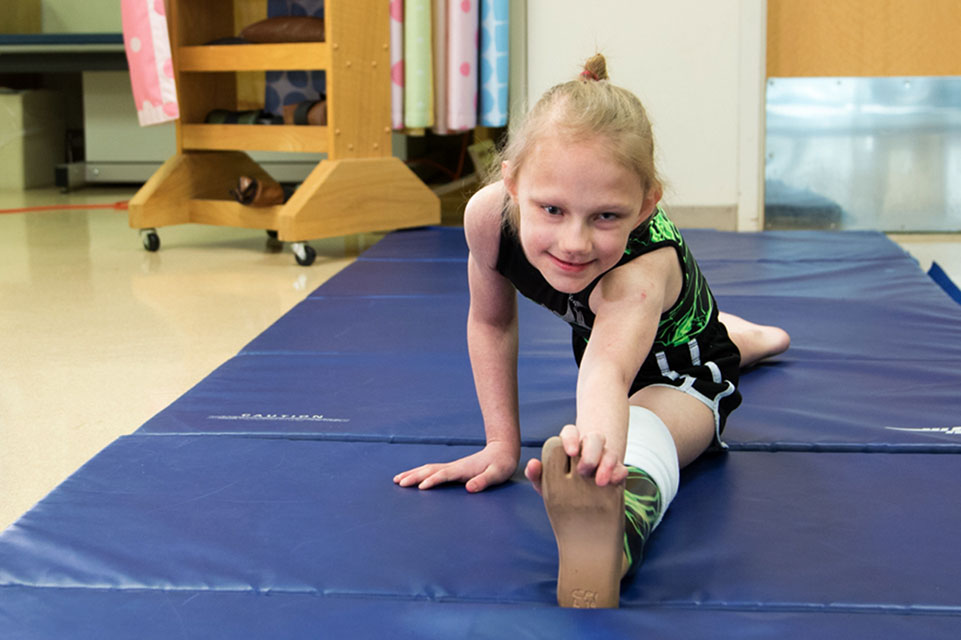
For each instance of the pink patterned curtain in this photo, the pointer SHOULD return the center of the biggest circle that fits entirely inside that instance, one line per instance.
(147, 44)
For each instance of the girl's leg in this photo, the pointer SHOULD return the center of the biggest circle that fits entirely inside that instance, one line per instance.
(690, 421)
(754, 341)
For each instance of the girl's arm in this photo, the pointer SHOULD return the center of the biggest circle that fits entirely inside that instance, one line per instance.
(492, 345)
(628, 303)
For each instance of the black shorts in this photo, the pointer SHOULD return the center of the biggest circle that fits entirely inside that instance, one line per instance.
(706, 368)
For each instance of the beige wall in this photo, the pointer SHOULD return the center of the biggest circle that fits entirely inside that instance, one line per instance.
(698, 67)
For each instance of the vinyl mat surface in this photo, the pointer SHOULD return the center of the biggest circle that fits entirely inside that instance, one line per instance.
(260, 504)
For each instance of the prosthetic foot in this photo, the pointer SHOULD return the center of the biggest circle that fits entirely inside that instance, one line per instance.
(588, 523)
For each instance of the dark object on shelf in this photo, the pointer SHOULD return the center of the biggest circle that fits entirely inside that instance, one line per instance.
(307, 112)
(225, 116)
(259, 193)
(285, 29)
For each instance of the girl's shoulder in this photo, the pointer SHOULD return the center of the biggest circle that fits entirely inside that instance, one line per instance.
(483, 221)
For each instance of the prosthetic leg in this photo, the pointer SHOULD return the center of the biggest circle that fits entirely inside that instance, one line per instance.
(601, 531)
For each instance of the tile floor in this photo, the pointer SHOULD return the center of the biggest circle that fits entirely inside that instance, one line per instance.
(98, 335)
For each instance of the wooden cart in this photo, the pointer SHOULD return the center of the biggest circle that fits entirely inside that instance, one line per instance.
(359, 187)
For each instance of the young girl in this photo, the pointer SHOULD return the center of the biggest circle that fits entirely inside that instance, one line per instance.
(575, 225)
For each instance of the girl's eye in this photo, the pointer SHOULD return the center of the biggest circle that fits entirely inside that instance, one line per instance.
(551, 209)
(609, 216)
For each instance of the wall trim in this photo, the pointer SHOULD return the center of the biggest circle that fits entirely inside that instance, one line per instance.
(718, 217)
(751, 110)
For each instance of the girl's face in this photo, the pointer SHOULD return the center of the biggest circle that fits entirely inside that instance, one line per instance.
(577, 208)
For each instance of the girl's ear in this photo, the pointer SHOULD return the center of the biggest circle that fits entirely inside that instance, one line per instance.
(510, 183)
(651, 198)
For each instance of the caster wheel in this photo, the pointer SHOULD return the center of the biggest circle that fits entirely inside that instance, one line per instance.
(151, 241)
(272, 234)
(304, 253)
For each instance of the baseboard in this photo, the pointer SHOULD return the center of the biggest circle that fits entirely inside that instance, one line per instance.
(721, 218)
(70, 176)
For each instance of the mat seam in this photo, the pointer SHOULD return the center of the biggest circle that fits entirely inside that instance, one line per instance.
(778, 447)
(754, 607)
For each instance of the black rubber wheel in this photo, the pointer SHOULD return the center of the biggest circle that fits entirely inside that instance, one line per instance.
(308, 257)
(151, 241)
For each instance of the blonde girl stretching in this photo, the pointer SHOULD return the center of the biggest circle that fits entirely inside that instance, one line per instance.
(575, 225)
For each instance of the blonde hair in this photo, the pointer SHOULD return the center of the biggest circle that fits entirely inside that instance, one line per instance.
(588, 107)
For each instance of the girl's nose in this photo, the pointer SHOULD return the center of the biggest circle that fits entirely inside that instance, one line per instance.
(575, 238)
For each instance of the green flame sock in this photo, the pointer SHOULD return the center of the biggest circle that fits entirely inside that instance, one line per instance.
(642, 505)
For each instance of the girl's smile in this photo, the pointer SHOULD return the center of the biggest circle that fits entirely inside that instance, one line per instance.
(572, 267)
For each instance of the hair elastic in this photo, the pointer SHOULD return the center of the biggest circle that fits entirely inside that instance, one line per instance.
(590, 75)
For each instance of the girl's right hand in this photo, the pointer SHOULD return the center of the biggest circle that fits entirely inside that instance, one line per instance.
(490, 466)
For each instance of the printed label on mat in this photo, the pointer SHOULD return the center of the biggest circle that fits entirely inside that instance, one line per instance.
(280, 417)
(950, 431)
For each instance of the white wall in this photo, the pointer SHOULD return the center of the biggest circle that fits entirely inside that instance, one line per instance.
(697, 66)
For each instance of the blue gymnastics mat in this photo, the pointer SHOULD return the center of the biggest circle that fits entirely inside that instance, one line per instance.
(447, 243)
(938, 274)
(873, 365)
(93, 614)
(781, 533)
(821, 328)
(388, 398)
(261, 503)
(849, 405)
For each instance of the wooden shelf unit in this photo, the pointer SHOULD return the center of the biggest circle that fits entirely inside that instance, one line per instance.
(359, 187)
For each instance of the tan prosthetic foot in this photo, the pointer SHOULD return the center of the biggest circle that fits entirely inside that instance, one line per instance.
(588, 523)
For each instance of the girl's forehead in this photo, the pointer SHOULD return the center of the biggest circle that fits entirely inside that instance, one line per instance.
(581, 180)
(559, 156)
(551, 147)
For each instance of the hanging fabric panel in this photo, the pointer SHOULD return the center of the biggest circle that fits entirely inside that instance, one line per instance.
(397, 63)
(418, 74)
(147, 45)
(440, 66)
(462, 16)
(495, 62)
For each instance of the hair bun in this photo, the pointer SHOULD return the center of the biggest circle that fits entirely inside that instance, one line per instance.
(595, 68)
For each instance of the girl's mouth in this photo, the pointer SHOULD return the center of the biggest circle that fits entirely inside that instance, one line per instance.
(572, 267)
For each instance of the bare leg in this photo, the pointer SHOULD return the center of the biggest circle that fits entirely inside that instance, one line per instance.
(755, 341)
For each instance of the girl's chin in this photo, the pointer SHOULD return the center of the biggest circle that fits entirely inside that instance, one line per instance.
(568, 283)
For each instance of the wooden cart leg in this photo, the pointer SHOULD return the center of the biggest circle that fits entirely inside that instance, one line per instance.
(342, 197)
(187, 177)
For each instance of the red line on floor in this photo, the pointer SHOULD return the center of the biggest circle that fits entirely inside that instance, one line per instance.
(117, 206)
